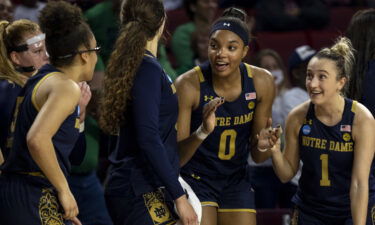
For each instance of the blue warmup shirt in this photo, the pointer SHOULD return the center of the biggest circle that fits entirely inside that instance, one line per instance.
(146, 154)
(226, 149)
(368, 100)
(20, 160)
(8, 97)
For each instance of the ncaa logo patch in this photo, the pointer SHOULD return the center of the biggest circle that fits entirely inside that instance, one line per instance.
(306, 129)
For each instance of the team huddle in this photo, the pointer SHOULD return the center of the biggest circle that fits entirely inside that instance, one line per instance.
(181, 148)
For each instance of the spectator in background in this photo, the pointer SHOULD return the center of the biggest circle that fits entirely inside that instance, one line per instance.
(201, 13)
(28, 9)
(6, 10)
(297, 65)
(283, 15)
(270, 192)
(199, 44)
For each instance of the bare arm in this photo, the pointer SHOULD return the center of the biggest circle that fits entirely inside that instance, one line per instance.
(286, 163)
(61, 98)
(1, 158)
(265, 89)
(363, 155)
(188, 93)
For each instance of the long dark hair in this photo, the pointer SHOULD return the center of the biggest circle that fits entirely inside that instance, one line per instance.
(361, 32)
(140, 22)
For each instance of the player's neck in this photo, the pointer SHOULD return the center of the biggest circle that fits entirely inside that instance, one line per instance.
(152, 46)
(331, 113)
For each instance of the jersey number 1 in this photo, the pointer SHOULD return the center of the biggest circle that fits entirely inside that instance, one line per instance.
(223, 153)
(325, 178)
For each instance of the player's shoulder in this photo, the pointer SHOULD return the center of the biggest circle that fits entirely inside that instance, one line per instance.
(188, 81)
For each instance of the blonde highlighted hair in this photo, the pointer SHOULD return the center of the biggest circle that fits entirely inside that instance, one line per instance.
(12, 35)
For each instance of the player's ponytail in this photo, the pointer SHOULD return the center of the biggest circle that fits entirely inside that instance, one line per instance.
(140, 22)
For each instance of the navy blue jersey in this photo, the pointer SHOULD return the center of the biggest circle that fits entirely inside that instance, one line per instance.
(8, 95)
(226, 149)
(368, 100)
(327, 153)
(146, 156)
(20, 160)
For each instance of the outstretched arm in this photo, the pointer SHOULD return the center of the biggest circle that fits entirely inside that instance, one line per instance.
(286, 163)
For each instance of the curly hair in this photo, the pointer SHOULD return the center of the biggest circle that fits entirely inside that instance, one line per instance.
(140, 22)
(12, 35)
(361, 32)
(65, 31)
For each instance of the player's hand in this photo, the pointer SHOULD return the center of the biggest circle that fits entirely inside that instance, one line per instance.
(69, 204)
(84, 99)
(277, 133)
(85, 94)
(268, 136)
(209, 117)
(76, 221)
(186, 211)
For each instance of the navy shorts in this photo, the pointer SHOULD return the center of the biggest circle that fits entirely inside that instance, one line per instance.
(151, 208)
(229, 194)
(23, 200)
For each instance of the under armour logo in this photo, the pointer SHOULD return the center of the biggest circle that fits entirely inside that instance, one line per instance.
(206, 98)
(226, 24)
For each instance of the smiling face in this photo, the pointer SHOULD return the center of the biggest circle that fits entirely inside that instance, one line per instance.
(322, 82)
(225, 52)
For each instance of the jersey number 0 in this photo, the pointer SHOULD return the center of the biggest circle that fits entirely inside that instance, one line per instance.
(226, 152)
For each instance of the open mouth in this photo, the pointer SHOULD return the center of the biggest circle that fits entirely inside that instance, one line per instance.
(221, 66)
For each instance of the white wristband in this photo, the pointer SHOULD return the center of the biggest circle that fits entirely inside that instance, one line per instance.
(82, 127)
(200, 134)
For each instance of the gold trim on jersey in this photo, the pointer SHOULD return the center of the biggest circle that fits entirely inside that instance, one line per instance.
(151, 56)
(373, 215)
(157, 209)
(237, 210)
(210, 204)
(249, 70)
(200, 74)
(33, 96)
(173, 88)
(34, 174)
(354, 106)
(49, 208)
